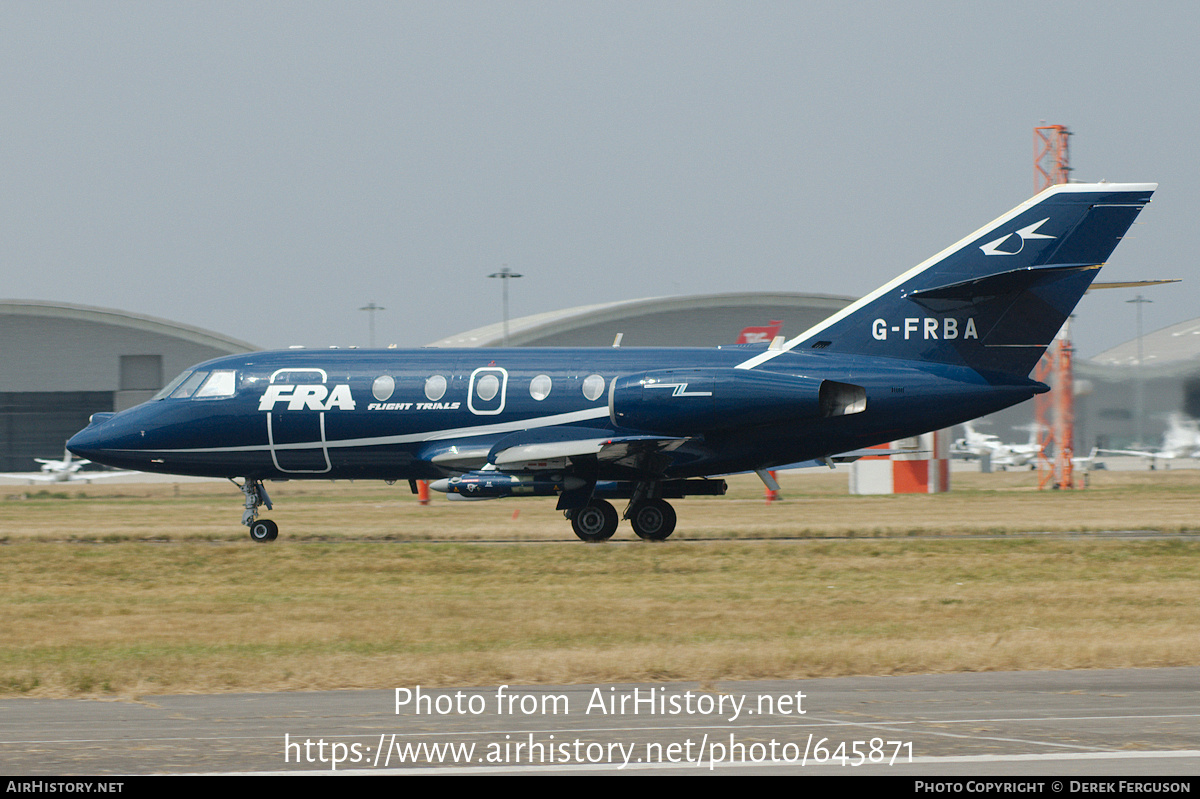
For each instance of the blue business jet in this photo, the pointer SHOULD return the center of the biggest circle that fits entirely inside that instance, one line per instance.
(949, 340)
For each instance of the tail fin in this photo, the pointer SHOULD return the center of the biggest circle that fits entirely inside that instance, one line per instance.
(995, 300)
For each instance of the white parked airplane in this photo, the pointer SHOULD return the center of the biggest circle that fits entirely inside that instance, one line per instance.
(977, 444)
(1181, 440)
(66, 470)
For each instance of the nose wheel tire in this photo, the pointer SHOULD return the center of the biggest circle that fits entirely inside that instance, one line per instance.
(596, 521)
(264, 530)
(653, 520)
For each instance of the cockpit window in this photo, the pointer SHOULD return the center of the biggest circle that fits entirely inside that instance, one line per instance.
(220, 383)
(189, 386)
(170, 387)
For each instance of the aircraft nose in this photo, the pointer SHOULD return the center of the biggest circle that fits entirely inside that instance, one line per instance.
(97, 439)
(87, 443)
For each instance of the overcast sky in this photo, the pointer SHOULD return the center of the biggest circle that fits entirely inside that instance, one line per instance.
(264, 170)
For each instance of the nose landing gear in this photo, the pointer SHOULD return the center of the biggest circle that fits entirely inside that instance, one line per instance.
(261, 530)
(264, 530)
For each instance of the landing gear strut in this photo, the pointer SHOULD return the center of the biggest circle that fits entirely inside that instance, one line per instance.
(261, 530)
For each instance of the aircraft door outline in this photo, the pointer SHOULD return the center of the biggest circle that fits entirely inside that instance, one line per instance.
(486, 397)
(298, 424)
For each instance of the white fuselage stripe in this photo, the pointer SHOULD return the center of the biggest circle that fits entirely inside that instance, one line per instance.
(410, 438)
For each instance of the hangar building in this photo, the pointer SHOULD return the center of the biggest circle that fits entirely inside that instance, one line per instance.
(1106, 387)
(60, 363)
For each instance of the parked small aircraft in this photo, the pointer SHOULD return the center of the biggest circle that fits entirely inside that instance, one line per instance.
(1181, 440)
(949, 340)
(978, 445)
(66, 470)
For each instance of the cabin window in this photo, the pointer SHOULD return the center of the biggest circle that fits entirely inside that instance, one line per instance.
(487, 386)
(539, 387)
(383, 387)
(435, 388)
(220, 383)
(593, 386)
(299, 376)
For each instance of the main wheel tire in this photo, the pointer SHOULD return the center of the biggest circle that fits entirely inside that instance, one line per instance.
(596, 521)
(264, 530)
(653, 520)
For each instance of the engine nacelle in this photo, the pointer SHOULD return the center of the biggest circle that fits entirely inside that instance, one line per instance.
(690, 401)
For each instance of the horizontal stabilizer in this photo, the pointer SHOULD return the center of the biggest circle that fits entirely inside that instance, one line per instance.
(954, 296)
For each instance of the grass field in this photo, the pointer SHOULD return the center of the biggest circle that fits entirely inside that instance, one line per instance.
(136, 589)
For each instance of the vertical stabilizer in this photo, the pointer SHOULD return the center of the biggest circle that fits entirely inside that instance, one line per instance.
(995, 300)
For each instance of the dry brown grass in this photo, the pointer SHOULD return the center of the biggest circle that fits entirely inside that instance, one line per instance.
(816, 504)
(210, 611)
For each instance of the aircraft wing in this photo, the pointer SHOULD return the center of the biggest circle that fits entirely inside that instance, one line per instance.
(466, 457)
(89, 476)
(33, 477)
(1140, 453)
(850, 456)
(547, 448)
(74, 477)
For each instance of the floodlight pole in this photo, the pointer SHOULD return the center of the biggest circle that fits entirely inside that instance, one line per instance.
(371, 308)
(1139, 385)
(505, 275)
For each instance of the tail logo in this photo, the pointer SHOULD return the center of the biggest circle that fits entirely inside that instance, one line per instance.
(993, 247)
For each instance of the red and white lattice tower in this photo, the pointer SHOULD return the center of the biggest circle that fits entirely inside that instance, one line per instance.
(1054, 412)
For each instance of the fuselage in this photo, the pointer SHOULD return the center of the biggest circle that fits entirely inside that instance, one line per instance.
(405, 414)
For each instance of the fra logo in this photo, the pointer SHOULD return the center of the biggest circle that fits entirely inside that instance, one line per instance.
(307, 397)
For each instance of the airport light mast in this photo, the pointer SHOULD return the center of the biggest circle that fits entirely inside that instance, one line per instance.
(505, 275)
(371, 308)
(1139, 387)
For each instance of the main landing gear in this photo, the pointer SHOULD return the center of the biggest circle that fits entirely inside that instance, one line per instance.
(261, 530)
(651, 519)
(595, 521)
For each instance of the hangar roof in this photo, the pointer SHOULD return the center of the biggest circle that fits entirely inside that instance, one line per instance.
(109, 316)
(699, 321)
(1176, 346)
(56, 347)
